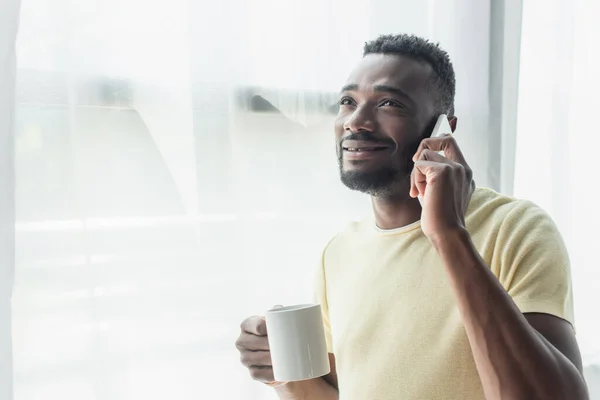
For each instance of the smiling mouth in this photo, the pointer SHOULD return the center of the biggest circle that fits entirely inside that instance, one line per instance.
(360, 149)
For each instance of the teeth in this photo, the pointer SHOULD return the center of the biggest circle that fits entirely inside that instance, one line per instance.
(360, 149)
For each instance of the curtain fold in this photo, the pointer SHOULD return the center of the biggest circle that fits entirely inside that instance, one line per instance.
(555, 152)
(505, 40)
(9, 19)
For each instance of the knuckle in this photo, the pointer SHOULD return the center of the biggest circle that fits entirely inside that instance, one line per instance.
(242, 339)
(447, 168)
(469, 173)
(450, 140)
(464, 171)
(260, 374)
(245, 358)
(239, 343)
(255, 373)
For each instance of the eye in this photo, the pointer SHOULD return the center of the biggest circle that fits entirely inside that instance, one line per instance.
(391, 103)
(346, 101)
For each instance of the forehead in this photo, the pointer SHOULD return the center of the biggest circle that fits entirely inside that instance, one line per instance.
(411, 76)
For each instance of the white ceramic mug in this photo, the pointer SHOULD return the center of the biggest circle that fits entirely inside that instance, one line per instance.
(297, 342)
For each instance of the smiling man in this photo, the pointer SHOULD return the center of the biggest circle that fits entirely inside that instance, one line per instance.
(463, 295)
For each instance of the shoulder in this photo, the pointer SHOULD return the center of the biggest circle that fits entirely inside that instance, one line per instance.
(485, 200)
(342, 243)
(354, 232)
(492, 209)
(497, 221)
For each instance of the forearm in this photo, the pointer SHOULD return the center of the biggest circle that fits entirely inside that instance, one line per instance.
(513, 360)
(313, 389)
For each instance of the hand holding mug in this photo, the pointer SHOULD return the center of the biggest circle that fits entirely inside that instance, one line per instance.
(255, 354)
(295, 348)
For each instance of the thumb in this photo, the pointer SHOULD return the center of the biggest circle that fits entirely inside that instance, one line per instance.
(264, 319)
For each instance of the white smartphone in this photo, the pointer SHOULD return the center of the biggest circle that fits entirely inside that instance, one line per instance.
(442, 126)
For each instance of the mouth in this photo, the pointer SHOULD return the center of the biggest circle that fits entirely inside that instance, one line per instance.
(364, 146)
(363, 149)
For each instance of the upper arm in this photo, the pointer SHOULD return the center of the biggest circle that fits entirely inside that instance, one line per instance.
(534, 269)
(559, 333)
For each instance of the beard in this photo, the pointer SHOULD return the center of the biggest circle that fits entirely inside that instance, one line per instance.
(386, 181)
(382, 182)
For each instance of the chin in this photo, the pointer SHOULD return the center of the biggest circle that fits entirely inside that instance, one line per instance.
(384, 182)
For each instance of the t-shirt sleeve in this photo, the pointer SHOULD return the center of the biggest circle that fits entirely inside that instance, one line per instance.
(534, 264)
(320, 297)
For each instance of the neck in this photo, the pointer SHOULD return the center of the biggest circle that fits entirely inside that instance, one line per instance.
(395, 212)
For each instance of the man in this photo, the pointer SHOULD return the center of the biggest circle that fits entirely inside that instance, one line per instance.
(450, 292)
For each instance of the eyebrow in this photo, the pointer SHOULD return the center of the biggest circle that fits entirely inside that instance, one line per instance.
(380, 88)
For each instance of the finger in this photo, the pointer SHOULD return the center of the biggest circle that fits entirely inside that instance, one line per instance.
(262, 374)
(425, 168)
(256, 358)
(255, 325)
(418, 179)
(413, 189)
(436, 144)
(248, 341)
(420, 182)
(430, 155)
(445, 143)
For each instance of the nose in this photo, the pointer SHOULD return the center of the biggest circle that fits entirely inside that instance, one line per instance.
(360, 120)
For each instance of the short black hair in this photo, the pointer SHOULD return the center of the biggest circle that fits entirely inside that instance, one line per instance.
(420, 49)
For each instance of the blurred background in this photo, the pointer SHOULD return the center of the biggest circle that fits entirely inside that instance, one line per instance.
(175, 170)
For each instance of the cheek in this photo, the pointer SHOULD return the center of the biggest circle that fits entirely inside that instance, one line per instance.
(404, 131)
(407, 153)
(410, 151)
(338, 126)
(407, 138)
(340, 118)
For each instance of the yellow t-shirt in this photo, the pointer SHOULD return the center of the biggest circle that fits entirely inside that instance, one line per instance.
(391, 318)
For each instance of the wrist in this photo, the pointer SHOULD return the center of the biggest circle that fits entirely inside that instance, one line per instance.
(283, 389)
(290, 390)
(449, 238)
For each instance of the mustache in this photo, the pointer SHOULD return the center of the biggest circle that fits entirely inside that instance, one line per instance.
(368, 137)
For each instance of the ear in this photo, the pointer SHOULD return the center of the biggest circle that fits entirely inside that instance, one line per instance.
(453, 121)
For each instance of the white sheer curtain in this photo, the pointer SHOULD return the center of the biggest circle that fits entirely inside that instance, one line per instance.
(175, 174)
(556, 157)
(9, 18)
